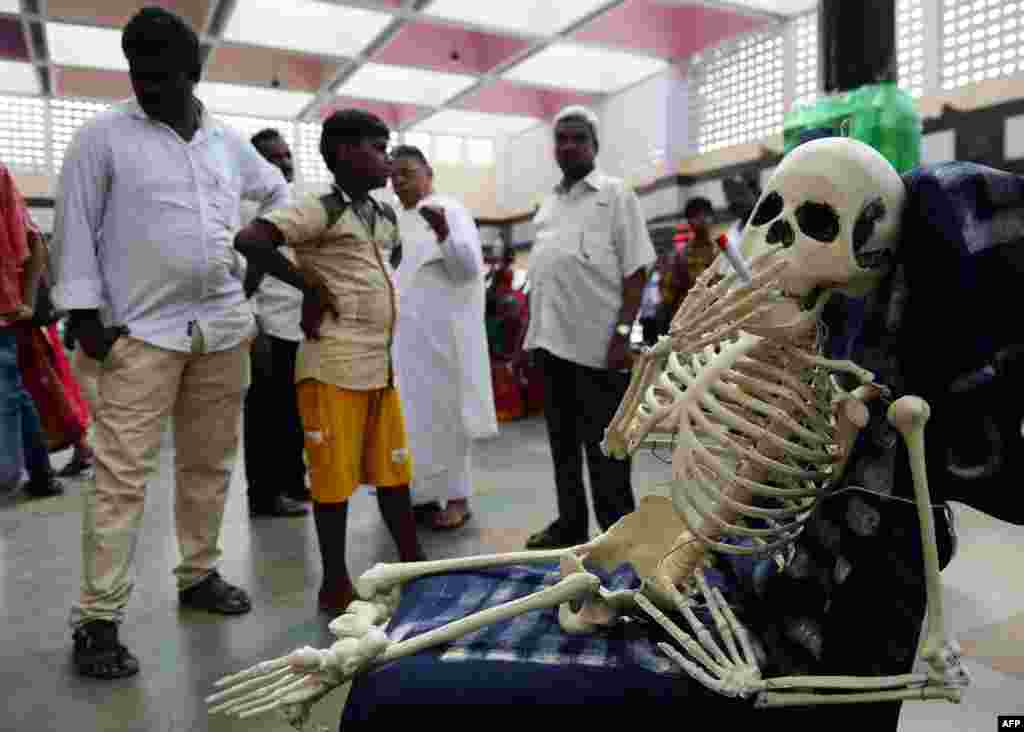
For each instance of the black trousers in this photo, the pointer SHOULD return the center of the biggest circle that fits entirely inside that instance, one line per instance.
(579, 402)
(274, 441)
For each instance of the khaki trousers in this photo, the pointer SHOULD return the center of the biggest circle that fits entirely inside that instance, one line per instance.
(137, 387)
(86, 371)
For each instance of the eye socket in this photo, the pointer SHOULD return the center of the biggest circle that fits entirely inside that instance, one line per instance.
(864, 228)
(818, 221)
(769, 210)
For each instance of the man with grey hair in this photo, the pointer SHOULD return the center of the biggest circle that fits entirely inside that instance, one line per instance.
(587, 271)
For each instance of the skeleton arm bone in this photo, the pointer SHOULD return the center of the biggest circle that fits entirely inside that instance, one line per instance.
(382, 577)
(306, 675)
(943, 680)
(734, 671)
(908, 415)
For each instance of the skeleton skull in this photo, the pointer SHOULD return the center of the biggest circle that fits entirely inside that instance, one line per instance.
(834, 205)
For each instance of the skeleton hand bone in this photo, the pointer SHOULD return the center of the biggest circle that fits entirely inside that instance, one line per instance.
(733, 671)
(296, 680)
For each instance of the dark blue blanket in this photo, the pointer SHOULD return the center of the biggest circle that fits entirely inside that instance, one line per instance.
(533, 637)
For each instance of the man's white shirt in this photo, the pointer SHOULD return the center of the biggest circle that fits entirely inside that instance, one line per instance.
(145, 225)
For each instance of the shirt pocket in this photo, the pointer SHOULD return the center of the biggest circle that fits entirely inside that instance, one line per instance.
(221, 191)
(597, 251)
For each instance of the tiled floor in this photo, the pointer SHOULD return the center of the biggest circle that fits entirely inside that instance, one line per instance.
(182, 653)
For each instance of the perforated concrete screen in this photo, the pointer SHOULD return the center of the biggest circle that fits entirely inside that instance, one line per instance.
(739, 91)
(23, 134)
(981, 40)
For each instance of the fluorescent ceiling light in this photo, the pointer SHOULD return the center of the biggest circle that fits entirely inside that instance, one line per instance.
(305, 25)
(777, 7)
(252, 100)
(780, 7)
(18, 78)
(474, 124)
(542, 17)
(404, 85)
(10, 6)
(84, 45)
(585, 69)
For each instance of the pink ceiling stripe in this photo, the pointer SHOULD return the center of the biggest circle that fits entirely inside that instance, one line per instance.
(672, 31)
(393, 114)
(504, 97)
(447, 48)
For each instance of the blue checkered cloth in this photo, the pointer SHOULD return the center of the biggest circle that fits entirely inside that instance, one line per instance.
(533, 637)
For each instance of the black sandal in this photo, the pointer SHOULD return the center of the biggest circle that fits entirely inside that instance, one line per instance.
(99, 655)
(216, 596)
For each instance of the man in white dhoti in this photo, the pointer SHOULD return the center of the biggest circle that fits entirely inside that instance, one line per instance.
(440, 347)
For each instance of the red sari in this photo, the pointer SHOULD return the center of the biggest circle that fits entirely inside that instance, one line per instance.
(46, 373)
(518, 389)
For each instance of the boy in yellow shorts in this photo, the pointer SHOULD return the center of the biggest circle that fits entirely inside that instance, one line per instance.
(349, 406)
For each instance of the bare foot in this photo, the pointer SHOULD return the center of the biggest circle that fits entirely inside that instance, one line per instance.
(454, 516)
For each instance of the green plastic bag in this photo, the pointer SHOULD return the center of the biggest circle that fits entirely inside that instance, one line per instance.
(880, 115)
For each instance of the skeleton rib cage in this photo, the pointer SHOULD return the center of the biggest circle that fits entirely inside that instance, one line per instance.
(730, 395)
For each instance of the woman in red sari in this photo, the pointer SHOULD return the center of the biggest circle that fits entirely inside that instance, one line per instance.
(63, 411)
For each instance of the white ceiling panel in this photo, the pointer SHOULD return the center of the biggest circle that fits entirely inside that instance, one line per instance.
(404, 85)
(10, 6)
(585, 69)
(542, 17)
(252, 100)
(305, 25)
(18, 78)
(82, 45)
(475, 124)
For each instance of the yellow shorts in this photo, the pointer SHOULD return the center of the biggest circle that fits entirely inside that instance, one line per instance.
(352, 438)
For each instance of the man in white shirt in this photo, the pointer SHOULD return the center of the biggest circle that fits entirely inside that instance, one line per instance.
(275, 469)
(143, 259)
(587, 267)
(440, 348)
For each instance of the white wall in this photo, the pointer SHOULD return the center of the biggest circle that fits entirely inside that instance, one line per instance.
(641, 128)
(526, 169)
(940, 147)
(644, 134)
(661, 202)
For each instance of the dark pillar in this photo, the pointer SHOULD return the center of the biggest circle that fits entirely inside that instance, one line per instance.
(857, 43)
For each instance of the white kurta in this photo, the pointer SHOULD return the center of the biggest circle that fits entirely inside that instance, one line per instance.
(440, 353)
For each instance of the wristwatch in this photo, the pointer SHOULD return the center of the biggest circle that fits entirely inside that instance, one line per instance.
(623, 329)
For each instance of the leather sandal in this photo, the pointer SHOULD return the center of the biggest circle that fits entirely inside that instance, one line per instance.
(99, 655)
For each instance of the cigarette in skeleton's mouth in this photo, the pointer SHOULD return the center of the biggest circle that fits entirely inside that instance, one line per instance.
(732, 253)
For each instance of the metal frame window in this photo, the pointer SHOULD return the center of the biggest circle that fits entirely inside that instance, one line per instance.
(421, 140)
(448, 150)
(249, 126)
(480, 152)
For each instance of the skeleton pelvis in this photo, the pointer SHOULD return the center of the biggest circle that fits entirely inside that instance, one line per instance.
(655, 542)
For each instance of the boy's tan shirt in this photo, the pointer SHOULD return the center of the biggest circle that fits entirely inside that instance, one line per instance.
(354, 350)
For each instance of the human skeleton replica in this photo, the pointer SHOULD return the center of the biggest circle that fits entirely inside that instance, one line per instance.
(760, 426)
